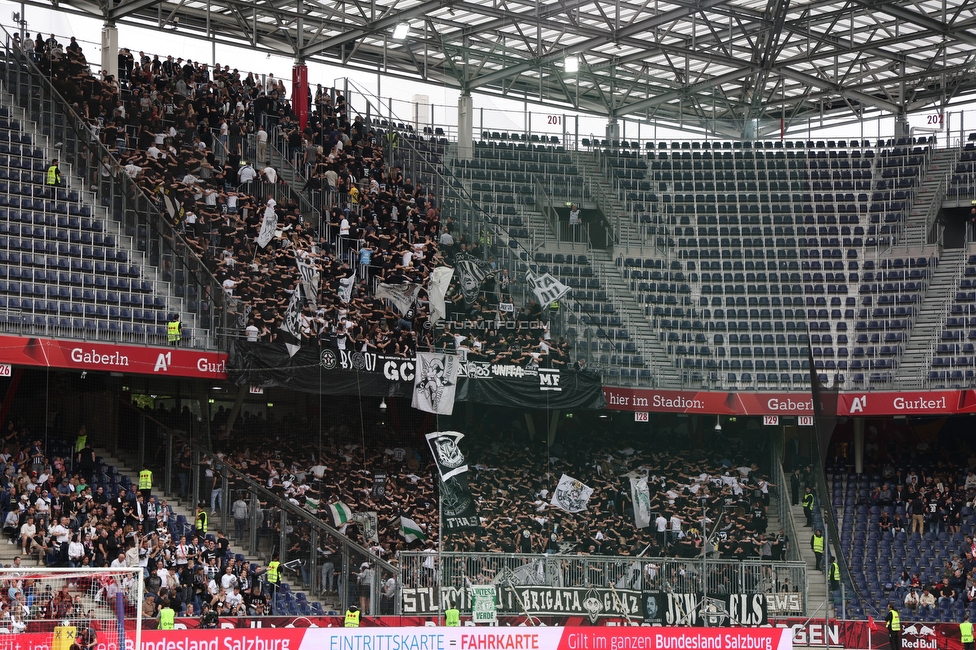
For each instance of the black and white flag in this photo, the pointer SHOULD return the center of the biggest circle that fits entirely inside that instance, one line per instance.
(345, 287)
(401, 295)
(269, 225)
(291, 327)
(571, 495)
(369, 525)
(310, 281)
(471, 273)
(641, 497)
(447, 454)
(435, 382)
(546, 288)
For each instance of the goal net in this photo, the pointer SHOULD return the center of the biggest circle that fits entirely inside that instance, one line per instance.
(49, 609)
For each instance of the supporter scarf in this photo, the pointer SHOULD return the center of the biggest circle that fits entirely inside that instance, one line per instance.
(435, 382)
(471, 273)
(546, 288)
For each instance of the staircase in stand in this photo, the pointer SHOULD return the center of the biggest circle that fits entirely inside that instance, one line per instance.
(663, 371)
(927, 325)
(928, 198)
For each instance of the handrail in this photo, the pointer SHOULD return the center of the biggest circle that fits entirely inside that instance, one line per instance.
(132, 194)
(172, 436)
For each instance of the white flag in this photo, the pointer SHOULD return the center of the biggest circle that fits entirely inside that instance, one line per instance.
(546, 288)
(310, 281)
(435, 382)
(437, 285)
(345, 287)
(291, 328)
(369, 526)
(401, 295)
(571, 495)
(410, 530)
(269, 225)
(641, 497)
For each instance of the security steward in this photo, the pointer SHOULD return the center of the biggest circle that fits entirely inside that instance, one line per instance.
(145, 483)
(817, 544)
(52, 177)
(808, 502)
(201, 521)
(167, 618)
(966, 633)
(893, 623)
(352, 617)
(833, 574)
(273, 578)
(452, 617)
(174, 330)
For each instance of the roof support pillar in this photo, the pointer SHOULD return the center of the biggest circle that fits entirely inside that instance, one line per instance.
(465, 127)
(110, 49)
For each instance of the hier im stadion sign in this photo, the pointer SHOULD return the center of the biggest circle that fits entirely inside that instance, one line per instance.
(853, 404)
(112, 357)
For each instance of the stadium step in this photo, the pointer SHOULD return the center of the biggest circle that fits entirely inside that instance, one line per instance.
(916, 360)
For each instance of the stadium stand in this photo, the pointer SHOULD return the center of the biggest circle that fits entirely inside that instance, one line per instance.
(906, 527)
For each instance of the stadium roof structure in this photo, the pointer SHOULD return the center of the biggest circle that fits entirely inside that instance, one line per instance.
(735, 68)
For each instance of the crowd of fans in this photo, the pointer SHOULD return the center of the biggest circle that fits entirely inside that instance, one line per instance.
(57, 510)
(195, 139)
(921, 500)
(512, 486)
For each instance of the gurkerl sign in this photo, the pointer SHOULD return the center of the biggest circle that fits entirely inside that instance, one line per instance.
(111, 357)
(855, 404)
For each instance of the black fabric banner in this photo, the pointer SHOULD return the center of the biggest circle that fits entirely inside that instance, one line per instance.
(330, 371)
(458, 509)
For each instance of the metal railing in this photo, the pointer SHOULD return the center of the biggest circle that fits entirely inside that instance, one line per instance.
(184, 276)
(327, 563)
(433, 580)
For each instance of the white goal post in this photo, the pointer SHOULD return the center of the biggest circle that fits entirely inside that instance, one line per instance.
(57, 606)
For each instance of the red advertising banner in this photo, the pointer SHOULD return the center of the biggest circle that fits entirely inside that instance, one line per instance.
(440, 638)
(112, 357)
(907, 403)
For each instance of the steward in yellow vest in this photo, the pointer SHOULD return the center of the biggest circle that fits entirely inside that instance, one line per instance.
(145, 483)
(452, 617)
(273, 578)
(174, 330)
(893, 623)
(201, 521)
(966, 633)
(167, 618)
(352, 617)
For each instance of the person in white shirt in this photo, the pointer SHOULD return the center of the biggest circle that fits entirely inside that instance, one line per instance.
(262, 138)
(27, 532)
(154, 151)
(76, 551)
(246, 174)
(270, 174)
(251, 331)
(661, 526)
(675, 527)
